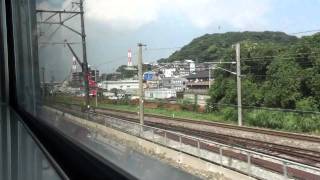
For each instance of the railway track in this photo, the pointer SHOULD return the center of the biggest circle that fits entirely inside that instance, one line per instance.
(290, 135)
(295, 136)
(297, 154)
(286, 152)
(300, 155)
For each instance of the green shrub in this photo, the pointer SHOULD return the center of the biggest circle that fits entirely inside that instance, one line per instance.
(307, 104)
(266, 119)
(289, 121)
(309, 124)
(229, 113)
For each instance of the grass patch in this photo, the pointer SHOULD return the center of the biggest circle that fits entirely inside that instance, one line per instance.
(284, 121)
(169, 113)
(213, 116)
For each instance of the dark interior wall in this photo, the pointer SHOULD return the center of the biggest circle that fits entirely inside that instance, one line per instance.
(1, 53)
(26, 55)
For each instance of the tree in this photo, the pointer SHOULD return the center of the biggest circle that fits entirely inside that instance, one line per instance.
(125, 73)
(278, 73)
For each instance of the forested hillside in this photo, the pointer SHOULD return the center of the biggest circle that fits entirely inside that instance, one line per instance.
(279, 71)
(211, 47)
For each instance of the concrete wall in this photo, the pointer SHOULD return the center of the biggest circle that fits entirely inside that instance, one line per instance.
(178, 159)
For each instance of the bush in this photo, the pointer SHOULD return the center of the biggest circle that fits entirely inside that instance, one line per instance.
(309, 124)
(307, 104)
(229, 113)
(266, 119)
(288, 121)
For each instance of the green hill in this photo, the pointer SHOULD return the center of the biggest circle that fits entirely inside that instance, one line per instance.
(210, 47)
(279, 71)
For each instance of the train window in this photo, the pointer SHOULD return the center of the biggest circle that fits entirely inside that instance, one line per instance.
(154, 88)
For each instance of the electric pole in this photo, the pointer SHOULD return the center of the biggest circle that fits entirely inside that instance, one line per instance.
(238, 74)
(239, 84)
(209, 77)
(141, 92)
(58, 17)
(84, 54)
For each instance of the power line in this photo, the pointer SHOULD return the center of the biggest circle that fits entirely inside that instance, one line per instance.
(307, 31)
(107, 62)
(73, 8)
(162, 48)
(273, 76)
(58, 43)
(269, 58)
(53, 33)
(289, 45)
(300, 44)
(293, 55)
(259, 66)
(134, 53)
(267, 108)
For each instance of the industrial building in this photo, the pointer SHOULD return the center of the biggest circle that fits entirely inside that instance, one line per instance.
(121, 84)
(160, 93)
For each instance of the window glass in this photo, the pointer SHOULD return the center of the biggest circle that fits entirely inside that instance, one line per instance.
(104, 72)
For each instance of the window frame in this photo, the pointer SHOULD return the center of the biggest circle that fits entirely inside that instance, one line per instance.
(74, 159)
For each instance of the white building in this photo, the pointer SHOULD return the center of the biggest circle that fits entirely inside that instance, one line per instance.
(160, 93)
(169, 72)
(121, 84)
(192, 66)
(179, 84)
(177, 68)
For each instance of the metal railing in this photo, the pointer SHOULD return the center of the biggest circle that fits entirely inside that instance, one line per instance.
(177, 142)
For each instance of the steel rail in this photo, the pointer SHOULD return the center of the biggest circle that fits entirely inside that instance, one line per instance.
(250, 154)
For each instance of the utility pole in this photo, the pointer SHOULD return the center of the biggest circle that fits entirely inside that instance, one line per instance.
(141, 92)
(84, 54)
(60, 20)
(209, 77)
(239, 84)
(97, 89)
(238, 74)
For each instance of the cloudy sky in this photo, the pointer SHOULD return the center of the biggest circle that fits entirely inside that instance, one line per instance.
(114, 26)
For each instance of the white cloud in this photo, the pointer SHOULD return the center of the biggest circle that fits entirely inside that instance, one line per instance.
(128, 14)
(132, 14)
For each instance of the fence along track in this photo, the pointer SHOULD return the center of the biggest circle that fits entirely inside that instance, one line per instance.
(275, 167)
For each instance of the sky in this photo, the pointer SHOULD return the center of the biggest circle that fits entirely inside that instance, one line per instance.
(114, 26)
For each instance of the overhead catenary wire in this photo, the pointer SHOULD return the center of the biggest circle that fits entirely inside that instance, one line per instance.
(134, 53)
(280, 46)
(297, 44)
(307, 31)
(59, 43)
(163, 48)
(114, 59)
(266, 108)
(293, 55)
(274, 76)
(269, 58)
(259, 66)
(72, 8)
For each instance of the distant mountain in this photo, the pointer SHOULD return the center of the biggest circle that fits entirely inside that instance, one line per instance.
(211, 47)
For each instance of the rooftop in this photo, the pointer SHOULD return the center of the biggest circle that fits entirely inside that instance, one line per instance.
(199, 75)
